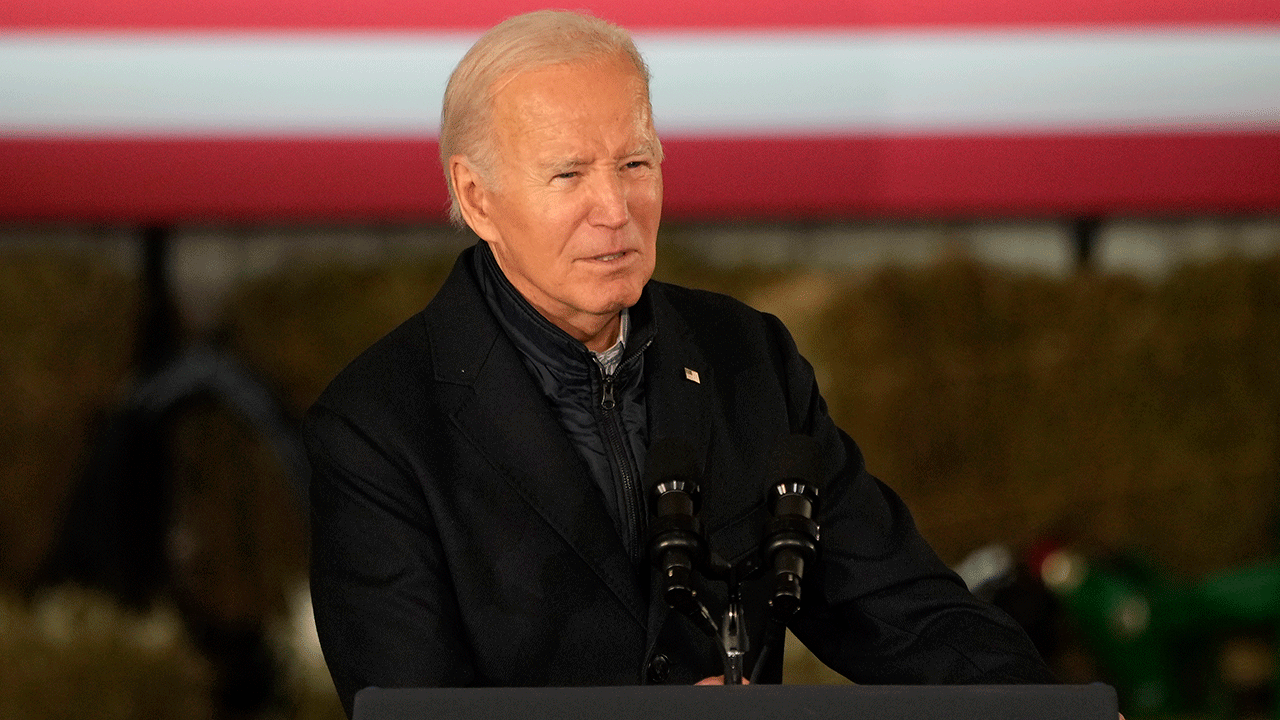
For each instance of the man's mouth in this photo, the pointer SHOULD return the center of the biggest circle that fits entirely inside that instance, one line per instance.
(611, 256)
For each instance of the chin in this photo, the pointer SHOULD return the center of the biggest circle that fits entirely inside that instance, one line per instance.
(622, 296)
(629, 299)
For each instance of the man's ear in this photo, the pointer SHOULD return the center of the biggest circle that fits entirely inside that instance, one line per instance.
(473, 197)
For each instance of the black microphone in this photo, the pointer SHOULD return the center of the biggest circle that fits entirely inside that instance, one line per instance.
(791, 537)
(676, 544)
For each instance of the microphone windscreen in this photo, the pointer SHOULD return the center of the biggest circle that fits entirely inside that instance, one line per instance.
(795, 458)
(671, 459)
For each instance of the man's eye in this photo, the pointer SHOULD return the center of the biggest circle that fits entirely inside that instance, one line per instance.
(567, 175)
(637, 164)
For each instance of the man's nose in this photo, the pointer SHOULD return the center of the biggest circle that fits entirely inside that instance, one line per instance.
(610, 207)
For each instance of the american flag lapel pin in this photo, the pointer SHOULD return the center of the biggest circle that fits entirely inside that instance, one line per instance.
(692, 375)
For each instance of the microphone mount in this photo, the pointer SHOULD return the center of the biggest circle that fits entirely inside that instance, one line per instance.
(679, 550)
(791, 542)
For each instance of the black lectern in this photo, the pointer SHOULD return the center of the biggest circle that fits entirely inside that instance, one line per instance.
(740, 702)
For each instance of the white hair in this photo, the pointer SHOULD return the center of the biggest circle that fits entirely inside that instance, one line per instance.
(518, 44)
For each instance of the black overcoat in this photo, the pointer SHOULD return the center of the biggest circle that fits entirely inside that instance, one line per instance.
(458, 539)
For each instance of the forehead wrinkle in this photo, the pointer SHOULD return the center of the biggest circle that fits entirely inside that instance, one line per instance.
(553, 155)
(536, 120)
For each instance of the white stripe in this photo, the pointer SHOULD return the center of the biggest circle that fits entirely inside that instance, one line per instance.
(223, 84)
(390, 84)
(967, 82)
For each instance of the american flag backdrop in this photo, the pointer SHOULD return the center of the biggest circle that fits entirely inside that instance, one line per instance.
(278, 110)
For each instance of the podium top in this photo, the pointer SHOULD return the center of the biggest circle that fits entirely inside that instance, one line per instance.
(756, 702)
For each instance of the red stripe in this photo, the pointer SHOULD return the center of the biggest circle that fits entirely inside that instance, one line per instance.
(849, 177)
(977, 176)
(177, 180)
(633, 14)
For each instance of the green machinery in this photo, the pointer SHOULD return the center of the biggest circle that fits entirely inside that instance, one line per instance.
(1161, 642)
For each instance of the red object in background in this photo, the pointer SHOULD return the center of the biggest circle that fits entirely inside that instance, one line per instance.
(149, 175)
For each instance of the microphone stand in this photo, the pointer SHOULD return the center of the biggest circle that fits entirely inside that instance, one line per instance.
(733, 633)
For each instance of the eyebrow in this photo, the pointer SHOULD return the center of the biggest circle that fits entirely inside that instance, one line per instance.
(645, 146)
(564, 165)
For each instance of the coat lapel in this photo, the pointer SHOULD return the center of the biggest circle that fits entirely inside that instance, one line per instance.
(678, 381)
(678, 390)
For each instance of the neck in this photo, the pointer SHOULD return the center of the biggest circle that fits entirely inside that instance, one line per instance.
(596, 332)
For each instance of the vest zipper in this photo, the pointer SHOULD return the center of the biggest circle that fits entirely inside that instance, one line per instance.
(615, 439)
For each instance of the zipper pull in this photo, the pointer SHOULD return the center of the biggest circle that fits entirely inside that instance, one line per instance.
(606, 389)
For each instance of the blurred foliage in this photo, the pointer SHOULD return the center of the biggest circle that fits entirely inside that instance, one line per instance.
(1004, 406)
(679, 263)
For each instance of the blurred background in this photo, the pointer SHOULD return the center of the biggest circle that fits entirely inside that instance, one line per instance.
(1033, 253)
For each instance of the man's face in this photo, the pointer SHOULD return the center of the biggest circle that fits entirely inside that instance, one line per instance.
(577, 196)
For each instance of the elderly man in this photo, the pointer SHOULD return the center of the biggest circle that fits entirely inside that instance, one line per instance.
(479, 515)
